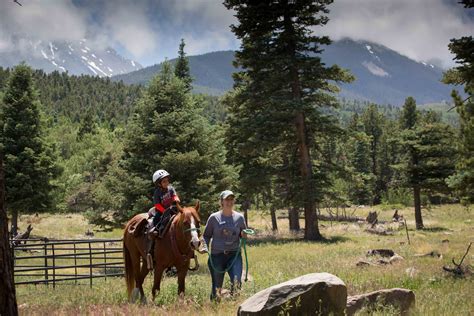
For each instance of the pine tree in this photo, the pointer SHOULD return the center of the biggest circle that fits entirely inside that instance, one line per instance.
(388, 156)
(181, 68)
(88, 125)
(169, 132)
(362, 182)
(29, 161)
(373, 121)
(408, 122)
(8, 305)
(463, 49)
(428, 155)
(409, 115)
(286, 82)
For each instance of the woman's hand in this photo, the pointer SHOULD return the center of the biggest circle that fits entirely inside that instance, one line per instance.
(203, 250)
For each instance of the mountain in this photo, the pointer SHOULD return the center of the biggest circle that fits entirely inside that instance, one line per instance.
(212, 72)
(74, 57)
(382, 75)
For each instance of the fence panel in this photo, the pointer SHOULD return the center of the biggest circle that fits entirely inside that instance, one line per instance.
(44, 261)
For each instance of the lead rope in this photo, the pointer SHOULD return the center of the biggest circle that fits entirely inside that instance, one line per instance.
(242, 241)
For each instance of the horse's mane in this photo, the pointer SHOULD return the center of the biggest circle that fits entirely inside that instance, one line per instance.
(193, 212)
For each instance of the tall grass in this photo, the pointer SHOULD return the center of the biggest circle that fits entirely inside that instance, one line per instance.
(278, 257)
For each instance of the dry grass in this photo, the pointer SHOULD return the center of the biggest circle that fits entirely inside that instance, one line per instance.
(278, 257)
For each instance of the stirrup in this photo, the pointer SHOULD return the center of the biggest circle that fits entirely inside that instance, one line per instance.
(160, 233)
(149, 261)
(152, 233)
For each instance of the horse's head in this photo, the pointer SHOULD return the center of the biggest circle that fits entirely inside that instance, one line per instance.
(191, 224)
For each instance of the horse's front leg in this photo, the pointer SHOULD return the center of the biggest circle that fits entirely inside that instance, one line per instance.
(182, 271)
(157, 280)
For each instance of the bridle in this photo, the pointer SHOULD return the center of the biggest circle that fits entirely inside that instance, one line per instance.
(189, 252)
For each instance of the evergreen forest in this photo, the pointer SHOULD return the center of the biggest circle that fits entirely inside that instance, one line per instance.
(282, 138)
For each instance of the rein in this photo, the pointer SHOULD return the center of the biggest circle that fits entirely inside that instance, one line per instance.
(175, 249)
(192, 230)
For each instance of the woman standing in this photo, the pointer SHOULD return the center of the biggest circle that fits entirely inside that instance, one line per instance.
(224, 229)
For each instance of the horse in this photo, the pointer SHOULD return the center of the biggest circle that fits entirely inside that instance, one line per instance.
(182, 238)
(176, 248)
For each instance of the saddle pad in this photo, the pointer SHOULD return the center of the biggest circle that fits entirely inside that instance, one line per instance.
(138, 228)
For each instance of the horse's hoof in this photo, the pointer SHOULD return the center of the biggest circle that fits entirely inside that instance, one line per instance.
(143, 300)
(134, 296)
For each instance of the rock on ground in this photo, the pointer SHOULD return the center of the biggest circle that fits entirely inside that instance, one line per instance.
(402, 299)
(309, 294)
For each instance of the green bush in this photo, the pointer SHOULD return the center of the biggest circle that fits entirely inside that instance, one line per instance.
(400, 196)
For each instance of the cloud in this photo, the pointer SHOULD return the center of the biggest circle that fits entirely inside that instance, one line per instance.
(42, 20)
(419, 29)
(127, 23)
(150, 30)
(122, 24)
(211, 41)
(203, 24)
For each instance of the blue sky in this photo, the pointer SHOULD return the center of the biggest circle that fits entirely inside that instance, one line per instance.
(149, 31)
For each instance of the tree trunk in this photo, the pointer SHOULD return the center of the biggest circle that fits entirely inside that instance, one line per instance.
(417, 200)
(376, 199)
(14, 227)
(293, 216)
(274, 218)
(311, 230)
(8, 304)
(246, 217)
(245, 206)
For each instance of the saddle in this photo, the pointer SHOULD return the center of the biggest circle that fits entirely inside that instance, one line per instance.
(165, 222)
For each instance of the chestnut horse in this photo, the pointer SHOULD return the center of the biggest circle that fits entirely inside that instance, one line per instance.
(176, 248)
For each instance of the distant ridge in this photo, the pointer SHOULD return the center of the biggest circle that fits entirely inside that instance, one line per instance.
(383, 75)
(210, 71)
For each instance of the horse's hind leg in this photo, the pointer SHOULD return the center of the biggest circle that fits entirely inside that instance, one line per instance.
(135, 258)
(143, 274)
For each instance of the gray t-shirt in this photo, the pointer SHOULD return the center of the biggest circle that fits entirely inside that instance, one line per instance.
(224, 231)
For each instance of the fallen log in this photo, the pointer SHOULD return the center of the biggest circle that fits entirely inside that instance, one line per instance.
(328, 218)
(21, 237)
(459, 270)
(379, 231)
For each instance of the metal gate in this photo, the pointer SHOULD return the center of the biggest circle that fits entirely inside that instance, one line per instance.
(44, 261)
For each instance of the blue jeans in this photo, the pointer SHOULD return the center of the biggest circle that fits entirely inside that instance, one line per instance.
(222, 262)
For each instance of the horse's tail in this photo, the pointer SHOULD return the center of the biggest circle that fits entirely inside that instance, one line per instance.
(129, 279)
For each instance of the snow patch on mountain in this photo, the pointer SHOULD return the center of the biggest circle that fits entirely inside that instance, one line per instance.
(97, 68)
(374, 69)
(369, 48)
(73, 57)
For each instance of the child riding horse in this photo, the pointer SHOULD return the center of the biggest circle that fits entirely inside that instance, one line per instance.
(176, 248)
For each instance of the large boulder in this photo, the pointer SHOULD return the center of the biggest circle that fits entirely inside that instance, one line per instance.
(402, 299)
(310, 294)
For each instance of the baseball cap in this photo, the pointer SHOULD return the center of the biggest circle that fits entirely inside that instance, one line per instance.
(225, 194)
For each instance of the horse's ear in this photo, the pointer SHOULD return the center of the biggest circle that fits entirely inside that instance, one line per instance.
(178, 206)
(197, 206)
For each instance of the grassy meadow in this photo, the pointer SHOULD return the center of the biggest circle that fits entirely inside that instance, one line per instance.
(278, 257)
